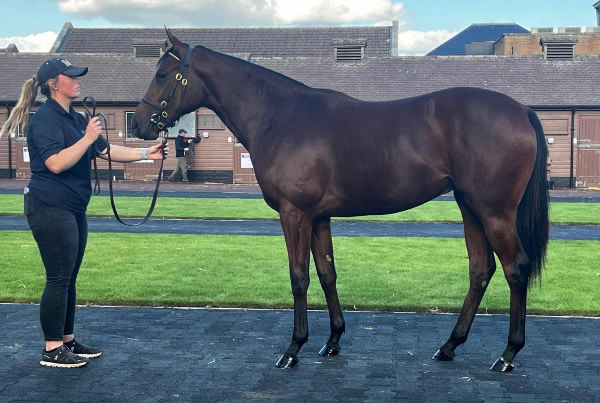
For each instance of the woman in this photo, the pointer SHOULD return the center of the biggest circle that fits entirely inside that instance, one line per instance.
(61, 145)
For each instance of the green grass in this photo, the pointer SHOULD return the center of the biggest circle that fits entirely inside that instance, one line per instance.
(400, 274)
(257, 209)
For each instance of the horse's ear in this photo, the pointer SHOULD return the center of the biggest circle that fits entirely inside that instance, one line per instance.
(176, 43)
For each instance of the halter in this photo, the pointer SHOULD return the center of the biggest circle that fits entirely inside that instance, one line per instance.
(156, 118)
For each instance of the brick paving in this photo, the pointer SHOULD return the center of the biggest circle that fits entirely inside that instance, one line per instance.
(215, 355)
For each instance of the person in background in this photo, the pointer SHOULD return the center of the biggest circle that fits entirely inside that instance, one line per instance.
(182, 147)
(61, 145)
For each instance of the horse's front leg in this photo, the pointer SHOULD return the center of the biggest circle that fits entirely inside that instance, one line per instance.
(297, 227)
(322, 249)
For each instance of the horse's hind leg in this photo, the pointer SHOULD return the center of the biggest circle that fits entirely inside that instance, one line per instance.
(481, 268)
(297, 227)
(502, 233)
(322, 249)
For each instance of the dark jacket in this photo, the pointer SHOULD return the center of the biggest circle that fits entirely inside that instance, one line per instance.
(181, 142)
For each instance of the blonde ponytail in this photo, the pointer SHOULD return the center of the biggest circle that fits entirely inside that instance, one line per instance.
(19, 117)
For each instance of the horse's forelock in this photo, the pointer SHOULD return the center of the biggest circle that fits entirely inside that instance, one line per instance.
(164, 55)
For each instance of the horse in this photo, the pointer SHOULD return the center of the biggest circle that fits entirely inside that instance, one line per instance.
(319, 153)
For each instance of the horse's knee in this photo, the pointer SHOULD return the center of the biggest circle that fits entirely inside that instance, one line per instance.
(479, 278)
(300, 283)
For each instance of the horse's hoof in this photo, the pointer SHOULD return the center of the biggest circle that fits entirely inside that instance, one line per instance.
(442, 356)
(286, 361)
(501, 365)
(329, 350)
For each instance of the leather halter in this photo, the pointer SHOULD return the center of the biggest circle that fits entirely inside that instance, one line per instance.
(156, 119)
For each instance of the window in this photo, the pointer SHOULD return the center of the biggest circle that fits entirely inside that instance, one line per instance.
(209, 121)
(22, 135)
(129, 132)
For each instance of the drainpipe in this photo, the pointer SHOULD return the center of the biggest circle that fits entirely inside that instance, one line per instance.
(10, 175)
(571, 178)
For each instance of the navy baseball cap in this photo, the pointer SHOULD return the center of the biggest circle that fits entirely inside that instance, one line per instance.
(182, 131)
(54, 66)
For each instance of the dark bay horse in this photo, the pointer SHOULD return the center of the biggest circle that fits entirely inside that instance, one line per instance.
(319, 153)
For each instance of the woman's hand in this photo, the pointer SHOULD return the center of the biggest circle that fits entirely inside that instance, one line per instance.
(93, 130)
(157, 152)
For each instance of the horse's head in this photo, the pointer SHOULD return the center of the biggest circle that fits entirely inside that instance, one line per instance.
(165, 100)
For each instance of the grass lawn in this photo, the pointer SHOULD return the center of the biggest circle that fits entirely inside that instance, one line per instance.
(257, 209)
(401, 274)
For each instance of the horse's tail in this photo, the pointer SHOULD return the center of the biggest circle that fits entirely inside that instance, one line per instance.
(532, 214)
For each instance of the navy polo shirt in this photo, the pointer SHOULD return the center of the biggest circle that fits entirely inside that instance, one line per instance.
(51, 130)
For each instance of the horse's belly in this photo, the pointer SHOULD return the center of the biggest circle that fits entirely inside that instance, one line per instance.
(384, 195)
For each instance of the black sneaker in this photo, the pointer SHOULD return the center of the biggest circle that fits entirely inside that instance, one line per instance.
(83, 351)
(62, 357)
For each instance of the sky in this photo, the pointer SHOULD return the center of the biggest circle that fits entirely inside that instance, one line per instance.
(424, 24)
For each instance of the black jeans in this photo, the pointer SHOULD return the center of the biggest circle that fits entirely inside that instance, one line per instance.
(61, 237)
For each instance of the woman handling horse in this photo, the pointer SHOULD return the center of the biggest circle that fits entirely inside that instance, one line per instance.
(61, 145)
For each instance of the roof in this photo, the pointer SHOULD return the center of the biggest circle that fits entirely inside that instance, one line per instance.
(263, 42)
(111, 78)
(475, 33)
(529, 79)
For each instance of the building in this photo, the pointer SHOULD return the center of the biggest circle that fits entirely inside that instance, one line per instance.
(479, 36)
(358, 61)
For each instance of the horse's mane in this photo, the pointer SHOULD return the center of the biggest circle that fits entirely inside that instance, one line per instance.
(242, 63)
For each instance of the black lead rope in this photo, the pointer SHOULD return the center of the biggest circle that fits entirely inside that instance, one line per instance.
(92, 114)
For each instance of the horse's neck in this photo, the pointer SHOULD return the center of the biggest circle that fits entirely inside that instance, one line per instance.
(243, 95)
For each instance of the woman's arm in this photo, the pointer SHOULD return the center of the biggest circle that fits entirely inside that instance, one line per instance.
(129, 154)
(68, 157)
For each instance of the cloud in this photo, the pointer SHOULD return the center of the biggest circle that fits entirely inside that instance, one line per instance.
(41, 42)
(239, 13)
(214, 13)
(418, 43)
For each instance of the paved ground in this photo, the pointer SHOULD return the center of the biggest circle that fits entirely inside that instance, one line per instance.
(183, 355)
(201, 355)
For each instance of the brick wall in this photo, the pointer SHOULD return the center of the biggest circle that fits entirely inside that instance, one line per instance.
(529, 44)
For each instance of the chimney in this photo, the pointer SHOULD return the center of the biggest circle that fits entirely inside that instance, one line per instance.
(394, 38)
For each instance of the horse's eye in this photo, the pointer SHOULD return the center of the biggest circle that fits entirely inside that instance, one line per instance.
(160, 75)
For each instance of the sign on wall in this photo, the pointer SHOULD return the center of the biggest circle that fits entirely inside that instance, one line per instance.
(245, 161)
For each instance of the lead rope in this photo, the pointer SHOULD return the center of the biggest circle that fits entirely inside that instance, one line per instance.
(110, 177)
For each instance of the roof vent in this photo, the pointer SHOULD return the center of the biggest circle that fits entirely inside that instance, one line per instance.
(144, 47)
(147, 51)
(558, 49)
(349, 53)
(349, 50)
(542, 30)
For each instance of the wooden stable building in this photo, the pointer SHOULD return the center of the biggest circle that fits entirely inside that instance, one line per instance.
(356, 60)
